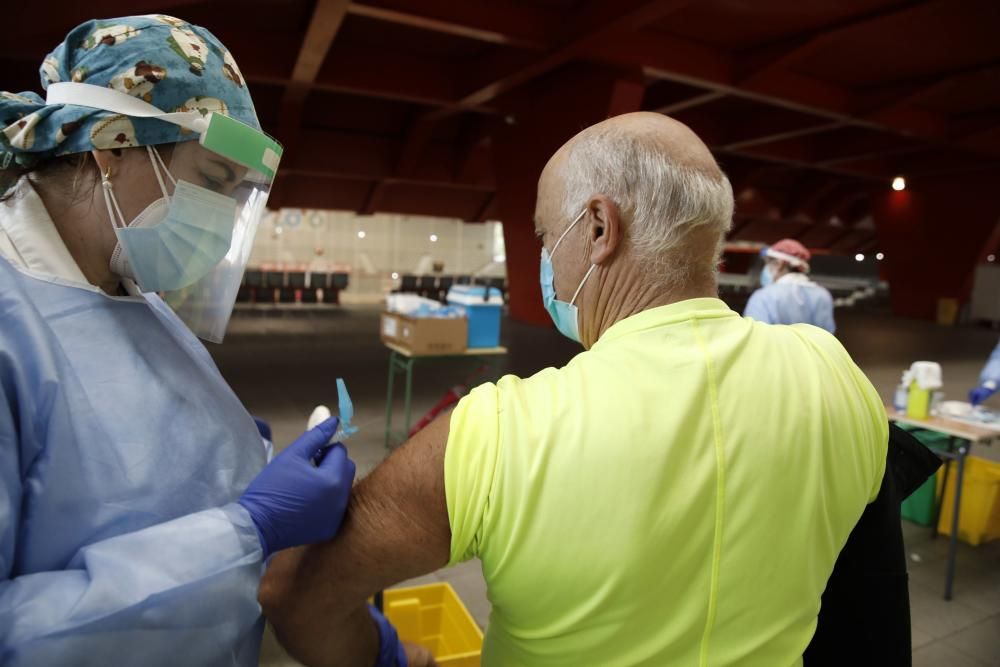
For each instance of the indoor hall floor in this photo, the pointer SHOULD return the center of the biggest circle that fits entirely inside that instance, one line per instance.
(282, 366)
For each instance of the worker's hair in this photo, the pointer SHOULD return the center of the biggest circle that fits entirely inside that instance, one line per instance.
(69, 168)
(660, 201)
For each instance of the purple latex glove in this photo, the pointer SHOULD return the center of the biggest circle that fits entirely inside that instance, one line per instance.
(300, 497)
(980, 394)
(390, 650)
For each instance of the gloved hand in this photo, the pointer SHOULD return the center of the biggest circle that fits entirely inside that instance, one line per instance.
(294, 501)
(390, 650)
(981, 393)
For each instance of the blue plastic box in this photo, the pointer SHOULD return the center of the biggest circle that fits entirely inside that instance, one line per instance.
(483, 312)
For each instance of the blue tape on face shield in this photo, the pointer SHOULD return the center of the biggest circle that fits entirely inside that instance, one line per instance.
(177, 239)
(564, 315)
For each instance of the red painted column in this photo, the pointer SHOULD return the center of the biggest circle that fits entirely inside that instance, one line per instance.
(543, 116)
(932, 234)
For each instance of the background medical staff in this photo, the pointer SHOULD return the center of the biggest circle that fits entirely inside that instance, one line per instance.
(989, 379)
(786, 295)
(136, 510)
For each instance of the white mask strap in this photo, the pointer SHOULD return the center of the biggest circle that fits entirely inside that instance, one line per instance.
(154, 157)
(109, 200)
(582, 283)
(571, 225)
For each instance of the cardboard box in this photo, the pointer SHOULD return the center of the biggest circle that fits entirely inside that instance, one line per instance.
(426, 336)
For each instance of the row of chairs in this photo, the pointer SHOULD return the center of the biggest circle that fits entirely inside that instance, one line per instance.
(436, 287)
(282, 288)
(294, 279)
(270, 296)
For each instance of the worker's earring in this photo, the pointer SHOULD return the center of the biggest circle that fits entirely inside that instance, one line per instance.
(105, 173)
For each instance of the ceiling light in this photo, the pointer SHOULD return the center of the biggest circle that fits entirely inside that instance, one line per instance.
(395, 276)
(880, 256)
(361, 234)
(859, 257)
(899, 183)
(991, 258)
(434, 238)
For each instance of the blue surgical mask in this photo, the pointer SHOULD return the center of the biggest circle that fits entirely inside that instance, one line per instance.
(564, 315)
(177, 240)
(765, 277)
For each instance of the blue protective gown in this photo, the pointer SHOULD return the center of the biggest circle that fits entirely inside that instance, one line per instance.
(991, 371)
(792, 299)
(122, 453)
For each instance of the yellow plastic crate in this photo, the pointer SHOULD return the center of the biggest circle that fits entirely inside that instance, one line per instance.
(980, 518)
(434, 617)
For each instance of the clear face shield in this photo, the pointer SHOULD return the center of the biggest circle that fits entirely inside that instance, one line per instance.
(219, 188)
(192, 244)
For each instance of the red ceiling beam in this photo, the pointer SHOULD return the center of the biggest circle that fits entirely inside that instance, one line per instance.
(372, 199)
(901, 94)
(372, 158)
(796, 155)
(418, 136)
(601, 21)
(420, 182)
(485, 208)
(693, 64)
(807, 193)
(859, 155)
(502, 23)
(689, 103)
(473, 137)
(327, 17)
(375, 73)
(840, 205)
(775, 56)
(853, 145)
(744, 174)
(757, 139)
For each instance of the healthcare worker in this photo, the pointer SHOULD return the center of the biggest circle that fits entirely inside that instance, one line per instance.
(989, 379)
(787, 296)
(136, 511)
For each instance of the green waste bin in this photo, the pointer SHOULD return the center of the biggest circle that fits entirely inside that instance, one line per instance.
(919, 506)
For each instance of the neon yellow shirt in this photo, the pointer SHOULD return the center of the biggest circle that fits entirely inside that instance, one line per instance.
(677, 495)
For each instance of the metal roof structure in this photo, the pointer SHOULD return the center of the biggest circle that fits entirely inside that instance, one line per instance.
(811, 106)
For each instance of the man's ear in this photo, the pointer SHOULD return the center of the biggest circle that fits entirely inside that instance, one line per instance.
(605, 228)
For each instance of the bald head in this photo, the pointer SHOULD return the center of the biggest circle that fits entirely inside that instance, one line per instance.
(673, 139)
(676, 205)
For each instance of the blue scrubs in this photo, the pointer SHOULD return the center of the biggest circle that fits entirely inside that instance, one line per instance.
(795, 301)
(122, 453)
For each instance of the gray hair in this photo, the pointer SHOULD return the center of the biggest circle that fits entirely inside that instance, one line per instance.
(660, 200)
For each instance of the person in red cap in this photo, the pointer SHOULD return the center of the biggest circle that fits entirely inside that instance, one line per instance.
(787, 296)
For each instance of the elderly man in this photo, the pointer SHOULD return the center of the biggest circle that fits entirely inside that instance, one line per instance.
(787, 296)
(676, 495)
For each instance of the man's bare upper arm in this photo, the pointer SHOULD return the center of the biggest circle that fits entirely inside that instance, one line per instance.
(399, 513)
(396, 528)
